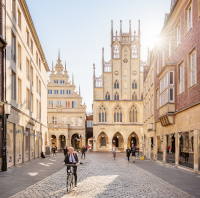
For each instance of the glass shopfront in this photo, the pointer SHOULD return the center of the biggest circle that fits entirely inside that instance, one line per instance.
(37, 144)
(32, 141)
(152, 148)
(19, 145)
(160, 148)
(26, 145)
(10, 145)
(170, 149)
(186, 149)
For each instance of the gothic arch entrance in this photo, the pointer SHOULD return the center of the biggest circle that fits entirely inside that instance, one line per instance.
(102, 142)
(133, 139)
(118, 141)
(75, 141)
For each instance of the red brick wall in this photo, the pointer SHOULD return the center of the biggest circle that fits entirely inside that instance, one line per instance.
(190, 95)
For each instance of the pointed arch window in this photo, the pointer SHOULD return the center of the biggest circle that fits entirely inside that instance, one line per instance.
(134, 96)
(118, 114)
(133, 114)
(102, 114)
(103, 141)
(116, 51)
(107, 96)
(116, 97)
(116, 84)
(134, 51)
(134, 85)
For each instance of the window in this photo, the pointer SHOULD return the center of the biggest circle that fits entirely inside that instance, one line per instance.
(178, 34)
(36, 58)
(102, 114)
(13, 48)
(31, 47)
(62, 92)
(134, 96)
(27, 69)
(158, 96)
(171, 94)
(62, 82)
(73, 104)
(103, 141)
(181, 78)
(188, 17)
(116, 96)
(67, 104)
(13, 85)
(133, 114)
(56, 92)
(118, 114)
(39, 64)
(55, 81)
(28, 98)
(19, 18)
(54, 120)
(89, 124)
(19, 57)
(107, 96)
(72, 121)
(193, 68)
(13, 3)
(170, 48)
(158, 66)
(134, 51)
(80, 121)
(31, 75)
(116, 84)
(64, 119)
(19, 90)
(152, 104)
(59, 103)
(163, 59)
(31, 102)
(49, 91)
(116, 51)
(69, 92)
(37, 85)
(50, 103)
(27, 37)
(37, 103)
(134, 85)
(171, 78)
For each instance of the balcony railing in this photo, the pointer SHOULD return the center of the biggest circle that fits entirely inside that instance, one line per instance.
(58, 126)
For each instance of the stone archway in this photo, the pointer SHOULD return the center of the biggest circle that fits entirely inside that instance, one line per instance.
(133, 139)
(118, 141)
(76, 141)
(53, 140)
(62, 140)
(102, 142)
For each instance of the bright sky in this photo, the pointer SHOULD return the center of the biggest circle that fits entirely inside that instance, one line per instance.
(80, 28)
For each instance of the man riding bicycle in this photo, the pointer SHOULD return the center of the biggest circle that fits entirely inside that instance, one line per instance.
(72, 158)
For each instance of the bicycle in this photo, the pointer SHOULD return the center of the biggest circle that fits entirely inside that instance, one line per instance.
(70, 177)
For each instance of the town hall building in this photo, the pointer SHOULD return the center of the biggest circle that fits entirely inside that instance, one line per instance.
(118, 94)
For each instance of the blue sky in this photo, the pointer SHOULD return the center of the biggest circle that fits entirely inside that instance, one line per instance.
(80, 28)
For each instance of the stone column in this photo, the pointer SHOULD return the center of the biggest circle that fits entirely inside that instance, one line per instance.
(94, 145)
(125, 145)
(110, 146)
(164, 149)
(155, 148)
(57, 144)
(196, 152)
(176, 149)
(66, 142)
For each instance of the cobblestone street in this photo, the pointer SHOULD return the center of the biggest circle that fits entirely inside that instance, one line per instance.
(101, 176)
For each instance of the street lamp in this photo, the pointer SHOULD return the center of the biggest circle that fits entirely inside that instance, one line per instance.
(7, 109)
(151, 127)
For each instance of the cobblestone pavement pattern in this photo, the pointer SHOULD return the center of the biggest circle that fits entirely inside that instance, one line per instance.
(101, 176)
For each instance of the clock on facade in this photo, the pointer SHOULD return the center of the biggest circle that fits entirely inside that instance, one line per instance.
(134, 73)
(116, 73)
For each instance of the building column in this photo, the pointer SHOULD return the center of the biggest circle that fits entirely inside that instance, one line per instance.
(125, 145)
(58, 144)
(155, 148)
(110, 146)
(196, 153)
(164, 149)
(94, 145)
(176, 149)
(66, 142)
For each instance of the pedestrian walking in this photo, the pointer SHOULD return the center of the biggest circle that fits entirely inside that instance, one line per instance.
(137, 152)
(133, 153)
(54, 151)
(42, 155)
(83, 149)
(65, 151)
(88, 148)
(128, 153)
(114, 151)
(170, 150)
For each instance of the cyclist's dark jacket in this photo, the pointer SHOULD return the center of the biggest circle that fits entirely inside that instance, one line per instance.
(66, 160)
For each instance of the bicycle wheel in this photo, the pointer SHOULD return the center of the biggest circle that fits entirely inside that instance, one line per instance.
(68, 182)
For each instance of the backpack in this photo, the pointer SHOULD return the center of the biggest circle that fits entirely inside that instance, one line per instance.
(133, 149)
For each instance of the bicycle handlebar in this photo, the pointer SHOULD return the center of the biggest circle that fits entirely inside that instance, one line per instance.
(70, 164)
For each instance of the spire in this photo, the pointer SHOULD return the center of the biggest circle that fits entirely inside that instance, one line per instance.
(79, 90)
(103, 54)
(52, 65)
(111, 26)
(138, 27)
(65, 66)
(59, 54)
(120, 26)
(72, 79)
(129, 26)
